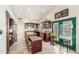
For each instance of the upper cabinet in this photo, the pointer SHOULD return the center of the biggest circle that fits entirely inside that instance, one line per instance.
(33, 25)
(46, 24)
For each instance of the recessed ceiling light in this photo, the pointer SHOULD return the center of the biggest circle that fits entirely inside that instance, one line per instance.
(28, 8)
(42, 10)
(19, 18)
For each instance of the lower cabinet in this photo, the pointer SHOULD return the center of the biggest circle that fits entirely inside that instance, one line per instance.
(36, 46)
(33, 45)
(10, 40)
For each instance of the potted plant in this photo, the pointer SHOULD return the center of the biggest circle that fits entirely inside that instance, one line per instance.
(52, 38)
(53, 35)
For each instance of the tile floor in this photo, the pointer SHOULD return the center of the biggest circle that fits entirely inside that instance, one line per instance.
(20, 48)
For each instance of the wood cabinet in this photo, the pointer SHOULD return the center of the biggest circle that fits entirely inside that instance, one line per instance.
(11, 21)
(46, 24)
(33, 25)
(38, 33)
(10, 39)
(34, 43)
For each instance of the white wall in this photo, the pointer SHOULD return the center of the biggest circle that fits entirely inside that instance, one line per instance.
(20, 31)
(3, 27)
(73, 12)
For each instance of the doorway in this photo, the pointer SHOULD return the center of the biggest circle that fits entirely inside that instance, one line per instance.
(10, 32)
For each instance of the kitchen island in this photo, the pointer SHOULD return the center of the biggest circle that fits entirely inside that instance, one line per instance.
(34, 43)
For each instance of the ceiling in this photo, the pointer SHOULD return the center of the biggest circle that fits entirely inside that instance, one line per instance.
(30, 12)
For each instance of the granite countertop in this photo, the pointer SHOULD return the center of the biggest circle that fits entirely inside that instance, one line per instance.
(30, 33)
(35, 38)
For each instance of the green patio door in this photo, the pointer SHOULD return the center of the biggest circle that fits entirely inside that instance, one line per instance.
(66, 28)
